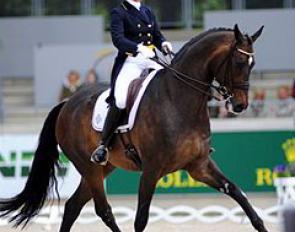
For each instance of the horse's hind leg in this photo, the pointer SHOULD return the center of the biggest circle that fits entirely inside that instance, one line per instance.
(148, 182)
(74, 205)
(102, 208)
(211, 175)
(76, 202)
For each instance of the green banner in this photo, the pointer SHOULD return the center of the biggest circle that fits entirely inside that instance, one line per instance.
(247, 158)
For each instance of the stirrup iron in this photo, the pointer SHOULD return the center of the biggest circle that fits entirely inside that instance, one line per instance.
(95, 154)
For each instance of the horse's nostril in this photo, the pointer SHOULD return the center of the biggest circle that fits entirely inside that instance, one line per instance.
(239, 108)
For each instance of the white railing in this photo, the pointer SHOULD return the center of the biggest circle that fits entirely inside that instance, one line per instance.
(176, 215)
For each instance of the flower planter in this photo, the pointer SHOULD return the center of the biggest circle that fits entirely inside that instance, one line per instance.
(285, 187)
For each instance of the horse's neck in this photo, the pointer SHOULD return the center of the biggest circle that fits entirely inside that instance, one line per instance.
(182, 100)
(179, 108)
(203, 56)
(184, 106)
(194, 64)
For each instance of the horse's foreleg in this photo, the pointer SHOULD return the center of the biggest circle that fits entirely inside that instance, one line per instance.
(102, 208)
(211, 175)
(148, 182)
(74, 206)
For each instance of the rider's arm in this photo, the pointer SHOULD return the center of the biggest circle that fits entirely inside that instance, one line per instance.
(117, 31)
(158, 36)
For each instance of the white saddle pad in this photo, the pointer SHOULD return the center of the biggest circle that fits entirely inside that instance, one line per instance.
(101, 107)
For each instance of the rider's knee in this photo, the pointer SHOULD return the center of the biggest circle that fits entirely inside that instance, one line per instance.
(120, 104)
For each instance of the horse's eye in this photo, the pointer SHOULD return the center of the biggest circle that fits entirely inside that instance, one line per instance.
(252, 64)
(241, 61)
(241, 64)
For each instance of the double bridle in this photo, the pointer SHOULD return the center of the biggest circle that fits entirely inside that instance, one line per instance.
(220, 88)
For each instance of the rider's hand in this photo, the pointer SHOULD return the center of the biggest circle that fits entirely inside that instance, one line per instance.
(145, 51)
(167, 47)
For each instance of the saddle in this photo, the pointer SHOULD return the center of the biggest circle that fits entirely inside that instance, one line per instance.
(136, 91)
(134, 88)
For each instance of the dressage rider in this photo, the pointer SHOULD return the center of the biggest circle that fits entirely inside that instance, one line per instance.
(136, 34)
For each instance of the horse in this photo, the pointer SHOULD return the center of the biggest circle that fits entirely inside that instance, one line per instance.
(171, 132)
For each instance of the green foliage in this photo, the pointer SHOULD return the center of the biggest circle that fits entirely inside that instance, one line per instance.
(15, 8)
(104, 8)
(101, 9)
(201, 6)
(64, 7)
(166, 10)
(254, 4)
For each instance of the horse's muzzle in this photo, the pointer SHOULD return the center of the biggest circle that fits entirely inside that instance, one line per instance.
(237, 106)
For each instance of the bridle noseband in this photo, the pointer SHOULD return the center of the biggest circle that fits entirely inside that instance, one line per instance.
(219, 87)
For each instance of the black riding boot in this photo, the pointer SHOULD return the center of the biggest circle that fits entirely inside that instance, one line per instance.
(100, 155)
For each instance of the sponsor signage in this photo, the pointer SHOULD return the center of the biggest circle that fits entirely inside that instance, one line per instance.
(247, 158)
(16, 155)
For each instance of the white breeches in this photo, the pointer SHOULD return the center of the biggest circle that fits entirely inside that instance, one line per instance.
(131, 70)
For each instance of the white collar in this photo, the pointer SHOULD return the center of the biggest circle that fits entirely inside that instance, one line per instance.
(135, 4)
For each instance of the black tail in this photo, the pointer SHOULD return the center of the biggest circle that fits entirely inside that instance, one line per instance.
(41, 179)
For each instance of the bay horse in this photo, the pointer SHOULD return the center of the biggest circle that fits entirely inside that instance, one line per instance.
(172, 132)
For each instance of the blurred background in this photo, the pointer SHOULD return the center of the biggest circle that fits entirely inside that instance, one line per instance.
(49, 49)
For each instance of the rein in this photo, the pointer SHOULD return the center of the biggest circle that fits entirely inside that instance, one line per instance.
(221, 89)
(185, 78)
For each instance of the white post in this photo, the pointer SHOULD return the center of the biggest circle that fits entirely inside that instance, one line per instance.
(1, 101)
(86, 7)
(238, 4)
(187, 13)
(288, 3)
(37, 7)
(289, 222)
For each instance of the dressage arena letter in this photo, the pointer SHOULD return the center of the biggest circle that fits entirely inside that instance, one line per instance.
(264, 177)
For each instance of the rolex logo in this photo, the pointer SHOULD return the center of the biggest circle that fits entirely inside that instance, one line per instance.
(289, 149)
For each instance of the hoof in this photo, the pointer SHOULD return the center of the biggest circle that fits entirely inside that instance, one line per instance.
(261, 228)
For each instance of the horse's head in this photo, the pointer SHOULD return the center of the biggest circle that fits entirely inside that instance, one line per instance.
(234, 69)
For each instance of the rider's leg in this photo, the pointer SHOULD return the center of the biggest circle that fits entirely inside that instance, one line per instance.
(130, 71)
(110, 125)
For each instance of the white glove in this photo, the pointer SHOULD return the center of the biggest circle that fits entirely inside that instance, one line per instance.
(167, 47)
(145, 51)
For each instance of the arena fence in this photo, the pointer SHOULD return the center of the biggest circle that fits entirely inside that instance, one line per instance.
(177, 214)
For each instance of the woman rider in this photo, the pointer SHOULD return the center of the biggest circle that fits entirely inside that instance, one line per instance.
(135, 33)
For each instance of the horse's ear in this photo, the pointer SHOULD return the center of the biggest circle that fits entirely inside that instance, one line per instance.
(238, 34)
(257, 34)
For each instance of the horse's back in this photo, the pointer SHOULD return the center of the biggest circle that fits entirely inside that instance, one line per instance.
(87, 95)
(77, 112)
